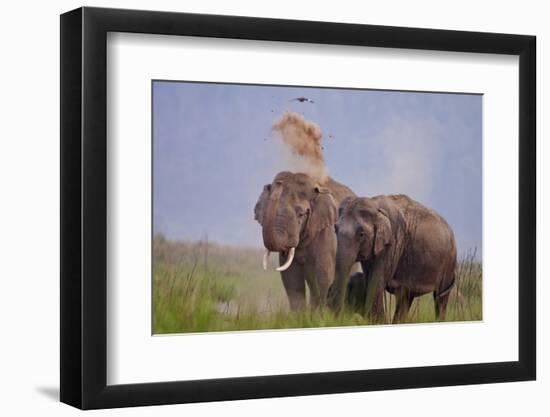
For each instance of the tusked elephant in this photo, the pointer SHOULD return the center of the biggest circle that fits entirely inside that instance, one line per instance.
(403, 247)
(297, 216)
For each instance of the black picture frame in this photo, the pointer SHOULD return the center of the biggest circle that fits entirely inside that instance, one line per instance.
(84, 207)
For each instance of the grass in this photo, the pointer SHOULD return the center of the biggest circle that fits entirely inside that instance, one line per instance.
(205, 287)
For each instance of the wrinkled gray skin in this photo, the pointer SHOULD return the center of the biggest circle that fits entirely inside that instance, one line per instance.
(403, 247)
(294, 211)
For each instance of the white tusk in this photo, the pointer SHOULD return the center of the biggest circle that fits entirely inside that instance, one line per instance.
(264, 261)
(288, 261)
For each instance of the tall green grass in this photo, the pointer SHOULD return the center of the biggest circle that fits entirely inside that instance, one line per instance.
(205, 287)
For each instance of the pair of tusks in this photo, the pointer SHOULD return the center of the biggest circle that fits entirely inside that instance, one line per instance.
(283, 267)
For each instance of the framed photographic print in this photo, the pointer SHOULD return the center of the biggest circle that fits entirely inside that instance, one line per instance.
(258, 207)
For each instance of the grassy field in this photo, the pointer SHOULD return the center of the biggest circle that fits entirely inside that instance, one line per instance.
(205, 287)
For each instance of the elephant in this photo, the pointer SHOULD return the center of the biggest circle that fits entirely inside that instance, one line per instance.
(297, 216)
(405, 248)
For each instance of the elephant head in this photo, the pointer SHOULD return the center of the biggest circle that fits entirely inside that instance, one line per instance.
(364, 233)
(292, 210)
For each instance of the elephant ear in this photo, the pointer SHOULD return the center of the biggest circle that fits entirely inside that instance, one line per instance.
(323, 211)
(344, 204)
(383, 232)
(261, 203)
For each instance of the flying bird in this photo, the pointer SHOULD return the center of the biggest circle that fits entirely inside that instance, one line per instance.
(303, 99)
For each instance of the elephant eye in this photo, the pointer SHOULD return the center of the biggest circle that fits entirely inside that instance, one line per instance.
(361, 232)
(336, 228)
(267, 188)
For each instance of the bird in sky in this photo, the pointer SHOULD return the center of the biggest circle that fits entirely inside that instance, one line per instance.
(303, 99)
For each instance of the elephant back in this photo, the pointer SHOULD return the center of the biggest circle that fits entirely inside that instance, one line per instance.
(338, 190)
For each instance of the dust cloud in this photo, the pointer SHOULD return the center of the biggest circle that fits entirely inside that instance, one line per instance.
(303, 139)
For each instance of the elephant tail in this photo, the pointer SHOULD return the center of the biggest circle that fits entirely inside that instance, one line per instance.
(448, 288)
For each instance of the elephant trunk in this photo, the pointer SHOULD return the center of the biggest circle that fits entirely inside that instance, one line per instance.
(345, 258)
(274, 227)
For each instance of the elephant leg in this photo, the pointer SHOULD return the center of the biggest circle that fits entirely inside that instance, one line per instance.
(441, 305)
(318, 284)
(403, 304)
(375, 292)
(377, 312)
(295, 288)
(319, 279)
(441, 296)
(315, 291)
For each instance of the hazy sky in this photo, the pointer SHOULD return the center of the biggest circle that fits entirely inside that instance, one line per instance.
(214, 151)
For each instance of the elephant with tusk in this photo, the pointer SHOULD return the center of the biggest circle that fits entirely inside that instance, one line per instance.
(297, 216)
